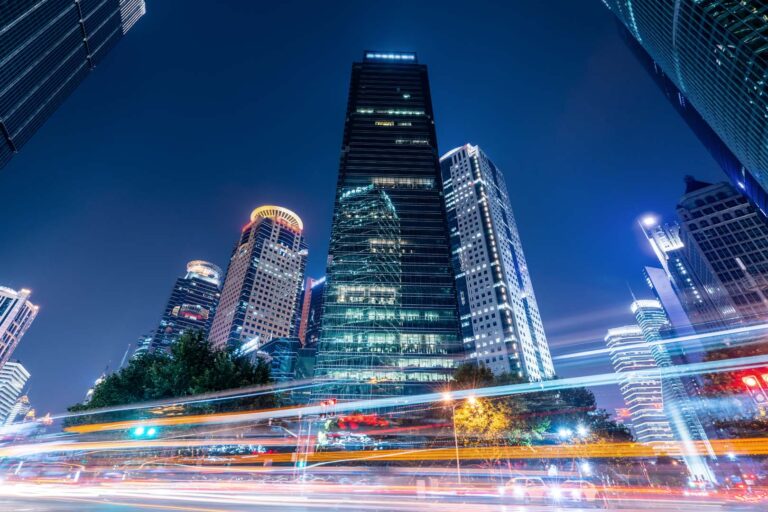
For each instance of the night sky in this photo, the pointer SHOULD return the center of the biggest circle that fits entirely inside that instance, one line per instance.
(207, 110)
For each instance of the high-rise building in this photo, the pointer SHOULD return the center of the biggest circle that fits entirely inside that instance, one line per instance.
(49, 47)
(700, 293)
(310, 312)
(390, 323)
(500, 321)
(719, 151)
(19, 411)
(732, 235)
(16, 315)
(679, 406)
(261, 290)
(642, 393)
(192, 304)
(716, 53)
(13, 378)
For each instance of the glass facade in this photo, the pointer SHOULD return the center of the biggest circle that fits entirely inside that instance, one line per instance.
(310, 312)
(500, 320)
(390, 323)
(261, 290)
(716, 54)
(192, 304)
(46, 49)
(13, 378)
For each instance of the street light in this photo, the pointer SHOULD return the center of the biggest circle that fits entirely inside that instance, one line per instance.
(447, 397)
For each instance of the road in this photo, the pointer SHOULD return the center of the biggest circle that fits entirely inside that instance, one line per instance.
(50, 498)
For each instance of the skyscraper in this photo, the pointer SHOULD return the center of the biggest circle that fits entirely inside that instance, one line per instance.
(19, 411)
(642, 393)
(500, 320)
(699, 291)
(192, 304)
(13, 378)
(716, 54)
(390, 323)
(263, 280)
(49, 47)
(310, 311)
(732, 235)
(679, 406)
(16, 315)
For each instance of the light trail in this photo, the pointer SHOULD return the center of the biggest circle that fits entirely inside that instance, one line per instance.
(709, 338)
(727, 365)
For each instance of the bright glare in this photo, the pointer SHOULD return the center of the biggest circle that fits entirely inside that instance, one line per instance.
(649, 221)
(138, 431)
(447, 397)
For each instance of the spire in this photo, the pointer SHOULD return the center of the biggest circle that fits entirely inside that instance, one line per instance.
(692, 184)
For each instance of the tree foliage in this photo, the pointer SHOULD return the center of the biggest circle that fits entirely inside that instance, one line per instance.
(521, 419)
(192, 367)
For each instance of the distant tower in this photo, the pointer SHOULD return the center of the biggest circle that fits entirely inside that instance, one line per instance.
(192, 304)
(16, 315)
(642, 393)
(19, 411)
(13, 378)
(49, 47)
(678, 405)
(310, 311)
(263, 280)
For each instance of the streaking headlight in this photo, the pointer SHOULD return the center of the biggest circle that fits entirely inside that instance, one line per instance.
(576, 494)
(518, 491)
(556, 493)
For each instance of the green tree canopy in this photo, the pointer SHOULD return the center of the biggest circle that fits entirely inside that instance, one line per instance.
(192, 367)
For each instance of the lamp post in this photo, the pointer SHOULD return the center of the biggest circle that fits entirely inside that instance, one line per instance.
(448, 398)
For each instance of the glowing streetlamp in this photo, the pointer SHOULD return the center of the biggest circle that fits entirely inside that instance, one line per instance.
(448, 398)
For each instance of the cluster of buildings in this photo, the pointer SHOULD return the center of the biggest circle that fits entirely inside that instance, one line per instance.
(710, 59)
(426, 268)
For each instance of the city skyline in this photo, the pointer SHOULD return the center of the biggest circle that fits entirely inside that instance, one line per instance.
(530, 218)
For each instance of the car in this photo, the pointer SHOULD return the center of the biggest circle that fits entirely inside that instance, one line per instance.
(526, 489)
(580, 491)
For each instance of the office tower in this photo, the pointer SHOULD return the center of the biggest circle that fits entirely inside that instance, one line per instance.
(49, 47)
(678, 405)
(711, 141)
(16, 315)
(500, 321)
(714, 53)
(261, 290)
(642, 393)
(701, 295)
(310, 311)
(390, 323)
(19, 411)
(143, 344)
(280, 354)
(732, 235)
(192, 304)
(13, 378)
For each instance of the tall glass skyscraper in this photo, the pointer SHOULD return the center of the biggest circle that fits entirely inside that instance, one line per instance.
(48, 48)
(192, 304)
(500, 320)
(716, 54)
(310, 312)
(390, 322)
(16, 315)
(261, 290)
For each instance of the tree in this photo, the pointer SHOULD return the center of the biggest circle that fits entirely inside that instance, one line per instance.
(192, 367)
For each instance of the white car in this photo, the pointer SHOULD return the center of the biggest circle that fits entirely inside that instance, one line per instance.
(526, 489)
(580, 491)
